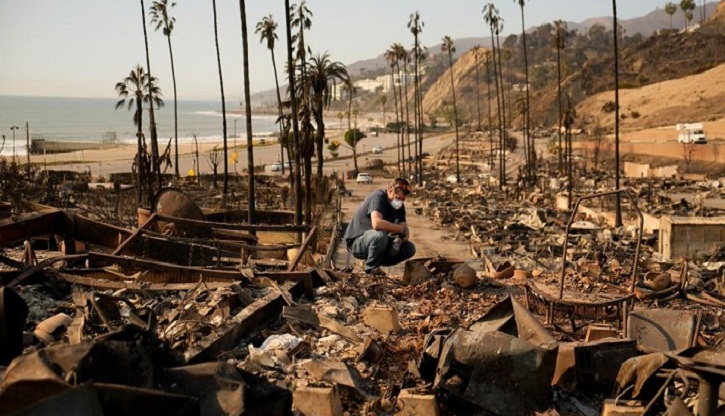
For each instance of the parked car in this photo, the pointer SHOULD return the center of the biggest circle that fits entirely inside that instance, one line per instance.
(364, 178)
(276, 167)
(377, 149)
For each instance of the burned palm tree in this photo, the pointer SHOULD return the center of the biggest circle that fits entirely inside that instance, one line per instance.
(135, 90)
(322, 73)
(267, 30)
(415, 25)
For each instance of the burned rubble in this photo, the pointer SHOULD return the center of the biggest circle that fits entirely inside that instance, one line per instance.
(556, 311)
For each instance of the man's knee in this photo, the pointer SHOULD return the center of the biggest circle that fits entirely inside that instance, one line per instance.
(408, 249)
(378, 235)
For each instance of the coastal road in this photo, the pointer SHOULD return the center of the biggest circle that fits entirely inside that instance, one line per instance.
(120, 159)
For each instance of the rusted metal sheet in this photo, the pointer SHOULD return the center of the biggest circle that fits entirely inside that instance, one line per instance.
(598, 362)
(25, 226)
(501, 373)
(511, 317)
(662, 329)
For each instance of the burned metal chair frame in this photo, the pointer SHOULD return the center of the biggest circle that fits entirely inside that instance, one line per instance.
(615, 309)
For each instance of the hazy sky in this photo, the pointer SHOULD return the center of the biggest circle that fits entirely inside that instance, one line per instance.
(81, 48)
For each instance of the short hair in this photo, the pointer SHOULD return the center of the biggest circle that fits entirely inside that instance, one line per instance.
(401, 184)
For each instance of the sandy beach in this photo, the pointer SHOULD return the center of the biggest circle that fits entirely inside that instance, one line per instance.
(103, 162)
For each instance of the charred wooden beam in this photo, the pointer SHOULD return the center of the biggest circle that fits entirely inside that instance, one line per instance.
(303, 248)
(123, 246)
(98, 233)
(43, 264)
(251, 319)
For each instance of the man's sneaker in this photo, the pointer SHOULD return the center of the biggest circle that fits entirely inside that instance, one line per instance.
(376, 272)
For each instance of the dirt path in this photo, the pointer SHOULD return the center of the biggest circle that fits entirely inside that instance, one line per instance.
(430, 239)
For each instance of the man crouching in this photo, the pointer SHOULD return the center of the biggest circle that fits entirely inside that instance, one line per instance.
(378, 232)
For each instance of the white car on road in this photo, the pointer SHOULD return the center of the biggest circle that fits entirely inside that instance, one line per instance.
(364, 178)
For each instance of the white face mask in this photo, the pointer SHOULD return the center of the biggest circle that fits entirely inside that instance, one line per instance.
(396, 203)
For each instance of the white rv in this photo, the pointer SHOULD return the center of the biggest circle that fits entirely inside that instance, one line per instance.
(691, 133)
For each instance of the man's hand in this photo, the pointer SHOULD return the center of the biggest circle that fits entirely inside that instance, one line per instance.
(405, 232)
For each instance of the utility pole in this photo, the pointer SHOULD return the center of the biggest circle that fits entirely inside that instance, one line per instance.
(27, 144)
(13, 128)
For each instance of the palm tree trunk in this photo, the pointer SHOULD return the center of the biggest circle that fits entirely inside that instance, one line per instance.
(397, 119)
(498, 112)
(224, 108)
(558, 87)
(618, 201)
(407, 119)
(419, 92)
(503, 110)
(478, 93)
(416, 111)
(295, 125)
(279, 108)
(251, 217)
(319, 120)
(176, 117)
(455, 117)
(139, 153)
(152, 119)
(401, 126)
(490, 116)
(527, 130)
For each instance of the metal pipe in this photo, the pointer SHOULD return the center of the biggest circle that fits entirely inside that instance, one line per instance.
(571, 220)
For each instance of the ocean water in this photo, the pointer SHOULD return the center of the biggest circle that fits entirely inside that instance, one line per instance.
(95, 119)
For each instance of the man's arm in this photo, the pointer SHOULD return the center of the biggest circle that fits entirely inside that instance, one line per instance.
(382, 225)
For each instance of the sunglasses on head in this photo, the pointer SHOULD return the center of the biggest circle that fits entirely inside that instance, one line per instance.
(403, 187)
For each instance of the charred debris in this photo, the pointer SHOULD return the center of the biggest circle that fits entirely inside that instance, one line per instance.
(186, 309)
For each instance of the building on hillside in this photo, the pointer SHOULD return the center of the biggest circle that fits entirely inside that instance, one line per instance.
(369, 85)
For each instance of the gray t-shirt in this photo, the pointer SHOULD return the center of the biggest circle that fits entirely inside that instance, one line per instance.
(361, 221)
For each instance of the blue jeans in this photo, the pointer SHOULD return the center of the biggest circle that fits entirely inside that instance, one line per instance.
(374, 247)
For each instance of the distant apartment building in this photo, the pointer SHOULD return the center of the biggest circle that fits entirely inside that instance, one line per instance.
(369, 85)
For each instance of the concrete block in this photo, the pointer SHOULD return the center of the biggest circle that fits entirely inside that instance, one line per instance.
(383, 319)
(317, 401)
(596, 332)
(411, 404)
(622, 408)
